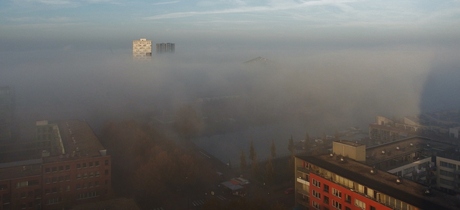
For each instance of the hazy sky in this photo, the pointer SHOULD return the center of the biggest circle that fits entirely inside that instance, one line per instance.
(70, 22)
(338, 63)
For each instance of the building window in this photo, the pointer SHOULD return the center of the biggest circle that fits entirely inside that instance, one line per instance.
(67, 167)
(78, 186)
(78, 166)
(347, 208)
(446, 173)
(106, 172)
(67, 177)
(78, 176)
(106, 162)
(336, 193)
(315, 205)
(90, 164)
(32, 182)
(316, 183)
(22, 184)
(446, 182)
(326, 200)
(373, 208)
(336, 205)
(348, 198)
(97, 163)
(54, 169)
(97, 174)
(47, 170)
(447, 165)
(360, 204)
(316, 194)
(326, 188)
(61, 168)
(84, 165)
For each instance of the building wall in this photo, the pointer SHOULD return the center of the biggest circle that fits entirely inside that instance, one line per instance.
(383, 120)
(357, 152)
(331, 195)
(21, 193)
(77, 181)
(407, 170)
(340, 193)
(448, 174)
(142, 48)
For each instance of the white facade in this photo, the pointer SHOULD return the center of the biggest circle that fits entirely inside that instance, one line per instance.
(142, 49)
(448, 171)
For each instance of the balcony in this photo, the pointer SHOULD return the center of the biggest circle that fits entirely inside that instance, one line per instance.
(304, 170)
(303, 181)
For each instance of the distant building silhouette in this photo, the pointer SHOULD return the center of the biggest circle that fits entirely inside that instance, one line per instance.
(6, 114)
(142, 49)
(166, 48)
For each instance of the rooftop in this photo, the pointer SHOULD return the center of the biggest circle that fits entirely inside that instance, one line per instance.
(407, 191)
(388, 151)
(453, 154)
(351, 143)
(78, 140)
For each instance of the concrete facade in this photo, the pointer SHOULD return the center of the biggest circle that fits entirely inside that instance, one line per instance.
(142, 49)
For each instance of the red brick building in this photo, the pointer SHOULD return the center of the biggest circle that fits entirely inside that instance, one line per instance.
(334, 181)
(75, 170)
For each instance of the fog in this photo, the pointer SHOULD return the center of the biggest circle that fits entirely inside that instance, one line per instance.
(316, 85)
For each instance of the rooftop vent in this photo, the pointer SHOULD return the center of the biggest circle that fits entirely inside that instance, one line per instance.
(428, 192)
(331, 155)
(397, 148)
(373, 170)
(399, 180)
(411, 144)
(383, 152)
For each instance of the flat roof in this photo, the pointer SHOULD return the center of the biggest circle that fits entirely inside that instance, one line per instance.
(402, 147)
(351, 143)
(78, 140)
(407, 191)
(453, 154)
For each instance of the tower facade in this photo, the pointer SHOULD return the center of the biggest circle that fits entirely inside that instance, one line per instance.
(142, 49)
